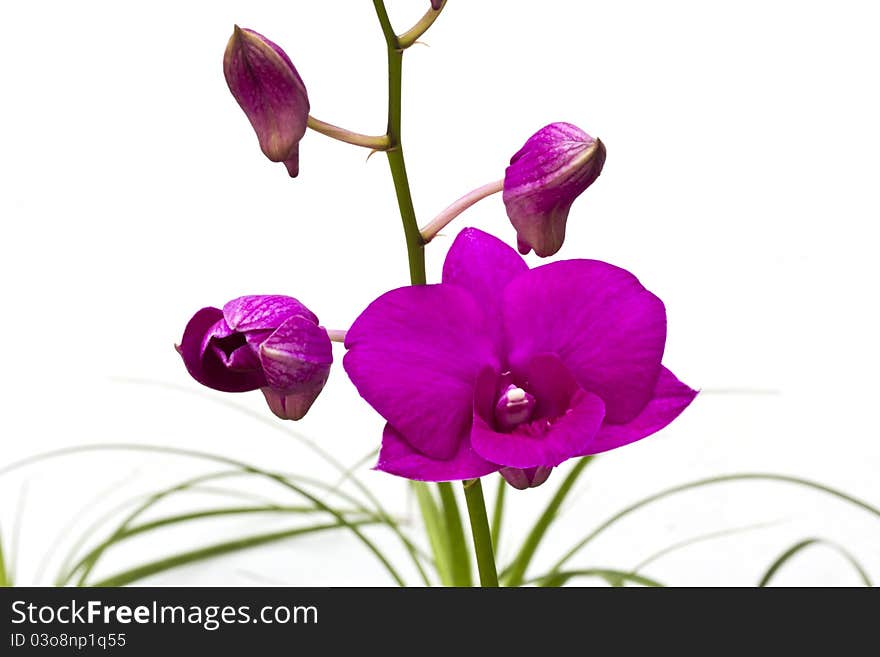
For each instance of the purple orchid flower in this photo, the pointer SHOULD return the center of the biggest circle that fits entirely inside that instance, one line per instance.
(270, 91)
(268, 342)
(546, 175)
(503, 368)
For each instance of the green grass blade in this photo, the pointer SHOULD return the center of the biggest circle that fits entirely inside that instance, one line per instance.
(436, 530)
(804, 544)
(700, 538)
(283, 480)
(184, 558)
(88, 561)
(262, 418)
(68, 529)
(144, 502)
(498, 514)
(613, 577)
(5, 578)
(67, 571)
(347, 473)
(223, 511)
(354, 467)
(353, 528)
(460, 558)
(228, 461)
(15, 541)
(709, 482)
(517, 570)
(414, 553)
(195, 484)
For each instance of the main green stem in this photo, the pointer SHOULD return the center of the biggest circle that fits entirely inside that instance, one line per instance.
(473, 493)
(415, 245)
(415, 250)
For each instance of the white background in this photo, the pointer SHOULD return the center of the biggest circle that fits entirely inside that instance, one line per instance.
(740, 186)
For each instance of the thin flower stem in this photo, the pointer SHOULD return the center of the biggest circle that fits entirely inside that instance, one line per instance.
(374, 142)
(473, 493)
(385, 22)
(414, 243)
(443, 219)
(336, 335)
(415, 247)
(412, 35)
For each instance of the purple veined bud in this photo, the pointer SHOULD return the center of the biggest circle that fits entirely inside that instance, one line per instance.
(522, 478)
(546, 175)
(268, 342)
(268, 88)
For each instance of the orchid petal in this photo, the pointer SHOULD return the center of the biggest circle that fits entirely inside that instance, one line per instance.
(204, 364)
(263, 311)
(671, 397)
(608, 330)
(297, 357)
(414, 354)
(483, 265)
(399, 458)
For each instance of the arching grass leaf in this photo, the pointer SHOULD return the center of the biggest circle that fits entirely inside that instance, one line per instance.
(800, 546)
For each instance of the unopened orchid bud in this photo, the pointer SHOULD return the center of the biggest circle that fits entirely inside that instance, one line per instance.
(267, 342)
(267, 86)
(523, 478)
(544, 178)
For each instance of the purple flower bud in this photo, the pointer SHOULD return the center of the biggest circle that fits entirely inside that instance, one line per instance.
(268, 342)
(265, 83)
(436, 4)
(523, 478)
(544, 178)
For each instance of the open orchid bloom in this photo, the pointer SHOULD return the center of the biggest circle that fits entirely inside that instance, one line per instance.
(545, 176)
(267, 86)
(267, 342)
(503, 368)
